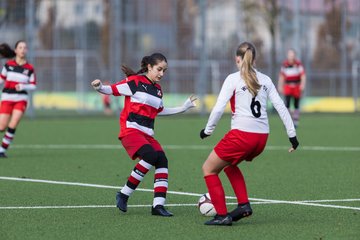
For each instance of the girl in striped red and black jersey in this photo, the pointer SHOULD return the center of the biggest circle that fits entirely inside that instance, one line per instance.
(143, 102)
(292, 82)
(18, 77)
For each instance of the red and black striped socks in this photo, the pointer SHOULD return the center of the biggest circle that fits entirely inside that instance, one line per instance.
(7, 139)
(160, 186)
(137, 175)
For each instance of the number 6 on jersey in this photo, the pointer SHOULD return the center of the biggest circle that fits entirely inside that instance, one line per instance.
(255, 108)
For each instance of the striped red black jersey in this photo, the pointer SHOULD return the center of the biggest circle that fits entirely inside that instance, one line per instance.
(13, 74)
(292, 72)
(143, 101)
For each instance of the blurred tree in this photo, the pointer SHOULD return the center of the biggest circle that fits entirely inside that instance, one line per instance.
(15, 11)
(105, 33)
(329, 38)
(269, 11)
(185, 15)
(250, 8)
(46, 30)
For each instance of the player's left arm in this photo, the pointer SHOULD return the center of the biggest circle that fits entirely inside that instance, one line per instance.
(226, 92)
(30, 86)
(189, 103)
(284, 115)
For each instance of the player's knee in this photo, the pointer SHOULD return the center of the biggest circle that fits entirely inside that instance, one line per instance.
(2, 127)
(162, 161)
(148, 154)
(207, 170)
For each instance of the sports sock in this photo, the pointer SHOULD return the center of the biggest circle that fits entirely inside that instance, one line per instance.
(217, 193)
(160, 186)
(237, 181)
(160, 179)
(7, 139)
(137, 175)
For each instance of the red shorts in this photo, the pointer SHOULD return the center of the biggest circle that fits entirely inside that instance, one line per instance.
(8, 106)
(293, 91)
(134, 141)
(237, 145)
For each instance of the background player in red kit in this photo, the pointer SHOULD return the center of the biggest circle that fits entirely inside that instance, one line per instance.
(291, 83)
(18, 77)
(143, 102)
(248, 91)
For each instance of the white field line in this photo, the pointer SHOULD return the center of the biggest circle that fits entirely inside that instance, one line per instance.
(173, 147)
(141, 205)
(332, 200)
(91, 185)
(261, 201)
(308, 203)
(168, 205)
(100, 206)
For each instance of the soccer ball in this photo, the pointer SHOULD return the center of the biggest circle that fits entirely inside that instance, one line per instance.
(205, 206)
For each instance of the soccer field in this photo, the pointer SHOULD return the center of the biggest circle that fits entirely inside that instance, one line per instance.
(61, 177)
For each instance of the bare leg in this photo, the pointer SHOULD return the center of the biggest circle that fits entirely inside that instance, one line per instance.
(15, 118)
(10, 132)
(4, 120)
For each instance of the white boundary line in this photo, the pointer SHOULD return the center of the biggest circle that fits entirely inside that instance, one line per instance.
(174, 147)
(312, 203)
(261, 201)
(100, 206)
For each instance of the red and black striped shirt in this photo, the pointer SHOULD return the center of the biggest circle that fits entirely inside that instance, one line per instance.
(141, 107)
(13, 74)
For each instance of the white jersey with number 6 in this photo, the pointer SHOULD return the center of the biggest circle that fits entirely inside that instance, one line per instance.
(249, 114)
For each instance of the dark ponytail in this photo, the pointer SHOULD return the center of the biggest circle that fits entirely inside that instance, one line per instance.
(128, 71)
(153, 59)
(6, 51)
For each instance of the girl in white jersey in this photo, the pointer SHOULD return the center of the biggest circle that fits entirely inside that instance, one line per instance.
(248, 91)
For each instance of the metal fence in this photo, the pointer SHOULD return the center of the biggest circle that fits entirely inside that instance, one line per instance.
(72, 42)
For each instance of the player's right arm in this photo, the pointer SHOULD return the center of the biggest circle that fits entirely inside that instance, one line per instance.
(117, 89)
(30, 86)
(226, 92)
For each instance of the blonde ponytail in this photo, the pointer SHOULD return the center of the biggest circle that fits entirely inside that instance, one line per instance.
(247, 52)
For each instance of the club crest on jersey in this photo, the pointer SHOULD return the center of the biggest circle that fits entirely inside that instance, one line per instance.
(26, 71)
(159, 93)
